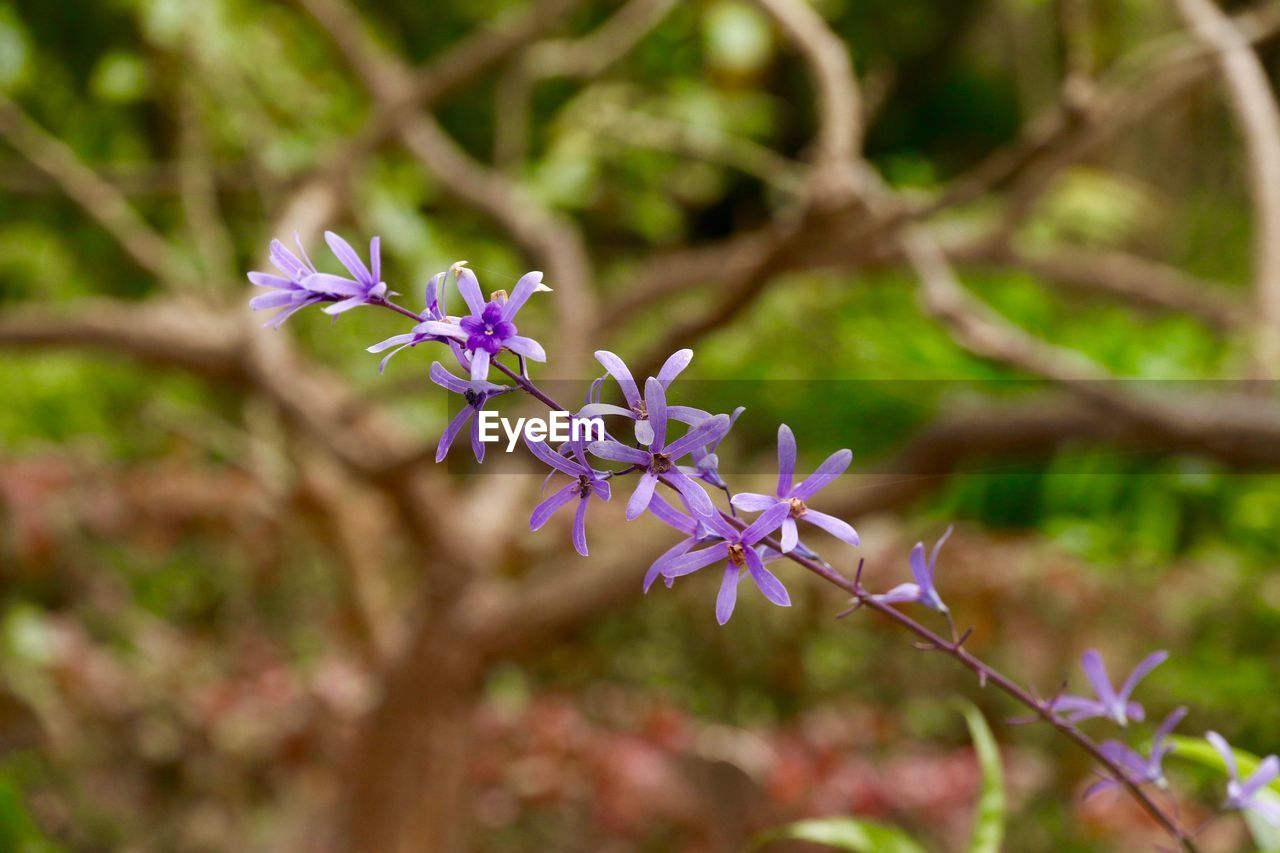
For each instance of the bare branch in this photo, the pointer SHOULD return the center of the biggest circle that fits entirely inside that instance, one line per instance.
(98, 198)
(581, 58)
(318, 200)
(1134, 279)
(836, 88)
(1258, 116)
(199, 192)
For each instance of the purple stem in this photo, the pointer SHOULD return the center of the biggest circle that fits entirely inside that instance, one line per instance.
(933, 641)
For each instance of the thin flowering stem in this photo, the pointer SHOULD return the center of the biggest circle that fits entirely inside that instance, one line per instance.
(931, 640)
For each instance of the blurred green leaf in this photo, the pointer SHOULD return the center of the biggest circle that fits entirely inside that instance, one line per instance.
(15, 50)
(121, 78)
(988, 825)
(843, 833)
(737, 36)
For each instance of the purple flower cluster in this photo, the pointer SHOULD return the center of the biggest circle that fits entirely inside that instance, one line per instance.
(302, 285)
(711, 536)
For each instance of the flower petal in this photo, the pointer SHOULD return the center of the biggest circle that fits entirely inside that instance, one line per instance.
(786, 460)
(441, 328)
(687, 414)
(829, 470)
(903, 593)
(728, 596)
(790, 535)
(345, 305)
(1096, 671)
(544, 510)
(753, 501)
(479, 367)
(643, 494)
(674, 366)
(1224, 749)
(1267, 771)
(704, 433)
(348, 257)
(580, 527)
(838, 528)
(766, 580)
(655, 401)
(616, 451)
(451, 432)
(691, 492)
(767, 522)
(549, 457)
(600, 410)
(618, 370)
(527, 347)
(525, 287)
(275, 299)
(393, 341)
(469, 287)
(1141, 671)
(447, 380)
(689, 563)
(672, 516)
(668, 555)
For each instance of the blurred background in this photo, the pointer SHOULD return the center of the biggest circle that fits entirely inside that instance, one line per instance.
(241, 607)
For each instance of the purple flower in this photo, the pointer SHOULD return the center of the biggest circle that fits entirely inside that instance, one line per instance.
(695, 529)
(706, 464)
(435, 311)
(1138, 768)
(587, 482)
(489, 328)
(1112, 704)
(638, 407)
(737, 549)
(660, 459)
(291, 293)
(365, 285)
(923, 590)
(794, 497)
(476, 400)
(1242, 795)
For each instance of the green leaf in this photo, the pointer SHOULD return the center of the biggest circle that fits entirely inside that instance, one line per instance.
(1200, 751)
(988, 824)
(843, 833)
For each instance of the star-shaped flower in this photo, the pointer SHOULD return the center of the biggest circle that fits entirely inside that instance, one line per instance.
(587, 482)
(475, 401)
(738, 549)
(290, 291)
(1141, 769)
(794, 497)
(1111, 703)
(923, 590)
(637, 406)
(659, 461)
(1243, 794)
(489, 328)
(364, 287)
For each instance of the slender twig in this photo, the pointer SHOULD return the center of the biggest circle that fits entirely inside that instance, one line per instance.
(954, 648)
(1258, 115)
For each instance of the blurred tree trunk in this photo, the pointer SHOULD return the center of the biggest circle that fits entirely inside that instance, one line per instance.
(405, 785)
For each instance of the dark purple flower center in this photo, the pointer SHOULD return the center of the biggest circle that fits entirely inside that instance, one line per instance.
(584, 486)
(798, 508)
(488, 331)
(660, 463)
(737, 554)
(473, 399)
